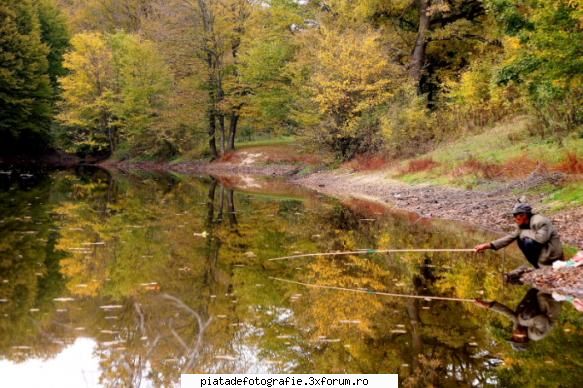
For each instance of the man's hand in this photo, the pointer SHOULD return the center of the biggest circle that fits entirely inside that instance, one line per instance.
(482, 247)
(483, 303)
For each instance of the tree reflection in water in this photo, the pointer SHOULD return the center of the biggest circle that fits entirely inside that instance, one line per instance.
(170, 275)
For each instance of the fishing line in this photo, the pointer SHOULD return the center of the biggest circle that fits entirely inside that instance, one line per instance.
(371, 292)
(370, 251)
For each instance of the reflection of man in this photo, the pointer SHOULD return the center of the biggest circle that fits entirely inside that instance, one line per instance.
(536, 237)
(534, 317)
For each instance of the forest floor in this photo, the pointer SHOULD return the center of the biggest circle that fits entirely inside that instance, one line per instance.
(476, 179)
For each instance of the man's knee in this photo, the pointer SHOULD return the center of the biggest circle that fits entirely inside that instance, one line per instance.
(531, 249)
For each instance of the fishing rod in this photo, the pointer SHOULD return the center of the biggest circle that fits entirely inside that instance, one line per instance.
(370, 251)
(372, 292)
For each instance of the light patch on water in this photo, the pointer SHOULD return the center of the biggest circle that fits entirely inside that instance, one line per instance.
(283, 315)
(76, 366)
(250, 158)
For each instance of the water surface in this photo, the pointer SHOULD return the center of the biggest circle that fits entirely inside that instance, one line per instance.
(129, 280)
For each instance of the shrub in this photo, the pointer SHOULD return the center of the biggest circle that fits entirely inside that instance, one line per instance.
(419, 165)
(368, 162)
(573, 164)
(475, 166)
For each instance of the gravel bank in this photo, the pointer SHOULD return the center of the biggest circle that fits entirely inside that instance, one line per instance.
(489, 210)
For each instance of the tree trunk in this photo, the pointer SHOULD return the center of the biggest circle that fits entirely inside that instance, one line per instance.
(223, 135)
(220, 93)
(111, 142)
(233, 130)
(210, 203)
(212, 133)
(111, 133)
(213, 244)
(416, 340)
(212, 112)
(208, 24)
(231, 205)
(243, 15)
(222, 203)
(418, 57)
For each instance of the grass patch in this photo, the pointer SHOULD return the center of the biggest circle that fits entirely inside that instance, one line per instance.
(570, 195)
(266, 142)
(507, 141)
(425, 177)
(570, 250)
(506, 151)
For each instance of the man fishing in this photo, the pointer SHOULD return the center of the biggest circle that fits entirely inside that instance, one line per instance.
(535, 235)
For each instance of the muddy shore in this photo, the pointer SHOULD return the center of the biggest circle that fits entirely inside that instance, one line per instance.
(489, 210)
(216, 168)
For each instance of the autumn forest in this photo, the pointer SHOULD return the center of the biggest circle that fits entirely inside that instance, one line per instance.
(158, 79)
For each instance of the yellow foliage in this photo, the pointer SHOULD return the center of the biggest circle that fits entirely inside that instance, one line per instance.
(352, 75)
(363, 9)
(89, 64)
(327, 314)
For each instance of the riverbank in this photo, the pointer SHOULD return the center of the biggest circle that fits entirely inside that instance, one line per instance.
(49, 158)
(475, 179)
(206, 168)
(270, 159)
(486, 209)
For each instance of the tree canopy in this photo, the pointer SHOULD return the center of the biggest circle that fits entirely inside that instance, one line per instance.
(367, 76)
(25, 88)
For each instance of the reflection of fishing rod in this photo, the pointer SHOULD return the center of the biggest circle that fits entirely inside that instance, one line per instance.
(374, 292)
(370, 251)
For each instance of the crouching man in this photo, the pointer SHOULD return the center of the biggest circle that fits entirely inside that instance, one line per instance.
(535, 235)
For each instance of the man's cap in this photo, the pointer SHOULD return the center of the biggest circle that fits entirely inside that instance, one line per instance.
(520, 208)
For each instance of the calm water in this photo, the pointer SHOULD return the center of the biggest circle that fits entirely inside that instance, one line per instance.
(129, 280)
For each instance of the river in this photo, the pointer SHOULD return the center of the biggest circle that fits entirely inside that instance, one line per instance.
(116, 279)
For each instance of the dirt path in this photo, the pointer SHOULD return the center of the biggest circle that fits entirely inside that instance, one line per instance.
(489, 210)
